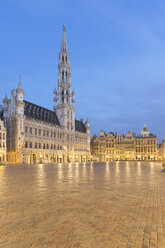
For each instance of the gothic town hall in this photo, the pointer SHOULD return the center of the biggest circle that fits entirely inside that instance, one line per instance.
(39, 135)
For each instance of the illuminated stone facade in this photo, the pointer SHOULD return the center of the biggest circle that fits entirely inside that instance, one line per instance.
(2, 142)
(124, 147)
(38, 135)
(161, 152)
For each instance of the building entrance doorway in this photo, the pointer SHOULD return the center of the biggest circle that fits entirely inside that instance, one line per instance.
(59, 160)
(34, 159)
(69, 159)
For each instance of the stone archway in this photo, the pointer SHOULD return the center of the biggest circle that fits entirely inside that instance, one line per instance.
(69, 158)
(34, 158)
(59, 159)
(29, 159)
(2, 158)
(54, 158)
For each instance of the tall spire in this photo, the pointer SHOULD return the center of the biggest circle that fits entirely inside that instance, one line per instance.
(64, 100)
(64, 73)
(64, 47)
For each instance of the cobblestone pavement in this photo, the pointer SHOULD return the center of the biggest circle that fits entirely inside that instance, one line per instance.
(100, 205)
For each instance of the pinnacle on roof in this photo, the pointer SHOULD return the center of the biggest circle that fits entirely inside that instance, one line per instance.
(5, 99)
(145, 129)
(64, 47)
(20, 84)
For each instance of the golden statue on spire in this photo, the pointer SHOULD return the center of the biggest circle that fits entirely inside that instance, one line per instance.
(63, 28)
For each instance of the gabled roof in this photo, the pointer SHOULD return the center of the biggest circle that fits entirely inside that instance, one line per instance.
(34, 111)
(145, 129)
(1, 115)
(102, 133)
(143, 137)
(94, 136)
(80, 126)
(111, 134)
(152, 135)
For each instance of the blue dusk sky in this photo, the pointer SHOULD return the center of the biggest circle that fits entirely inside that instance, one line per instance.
(117, 51)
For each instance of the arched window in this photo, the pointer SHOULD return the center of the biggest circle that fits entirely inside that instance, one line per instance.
(62, 96)
(68, 125)
(62, 58)
(68, 114)
(67, 96)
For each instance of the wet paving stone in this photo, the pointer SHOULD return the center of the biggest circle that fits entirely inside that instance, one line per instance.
(113, 204)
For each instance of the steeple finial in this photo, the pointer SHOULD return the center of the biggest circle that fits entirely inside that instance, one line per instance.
(5, 99)
(20, 85)
(64, 47)
(5, 95)
(64, 28)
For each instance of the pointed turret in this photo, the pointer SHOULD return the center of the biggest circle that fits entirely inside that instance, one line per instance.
(64, 47)
(20, 86)
(144, 131)
(19, 90)
(87, 125)
(19, 100)
(5, 109)
(5, 100)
